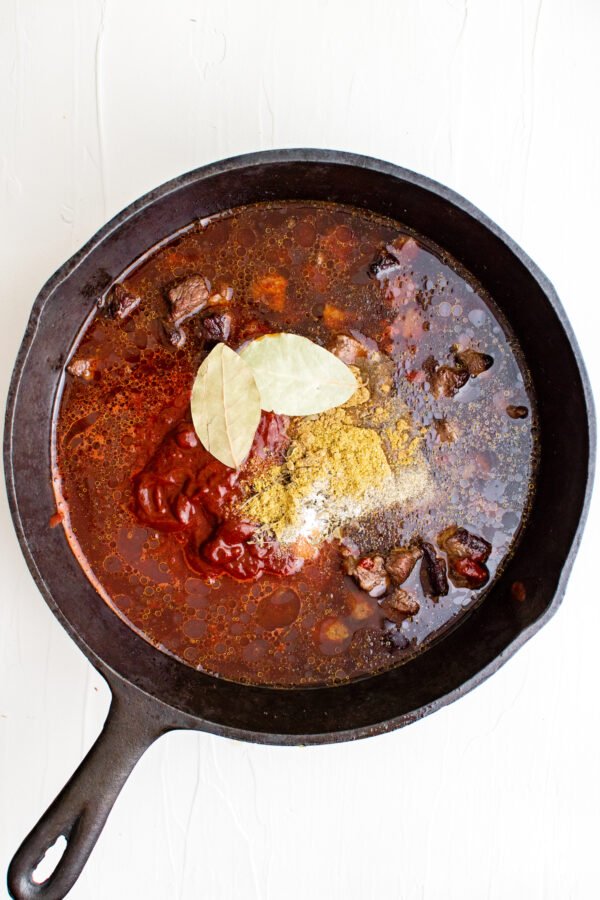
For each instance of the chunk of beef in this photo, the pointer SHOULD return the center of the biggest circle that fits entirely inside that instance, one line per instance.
(369, 573)
(400, 253)
(386, 260)
(188, 297)
(399, 605)
(216, 328)
(82, 368)
(468, 573)
(446, 381)
(348, 349)
(460, 543)
(445, 431)
(400, 562)
(120, 302)
(517, 412)
(467, 555)
(175, 335)
(430, 364)
(433, 576)
(474, 362)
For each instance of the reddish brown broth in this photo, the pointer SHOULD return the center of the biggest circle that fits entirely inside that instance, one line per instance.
(205, 592)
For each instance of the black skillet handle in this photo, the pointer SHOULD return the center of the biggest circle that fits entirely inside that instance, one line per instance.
(82, 807)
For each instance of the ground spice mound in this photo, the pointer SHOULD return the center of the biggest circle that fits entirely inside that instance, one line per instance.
(331, 463)
(335, 470)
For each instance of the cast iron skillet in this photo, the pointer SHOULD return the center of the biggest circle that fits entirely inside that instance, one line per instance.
(153, 693)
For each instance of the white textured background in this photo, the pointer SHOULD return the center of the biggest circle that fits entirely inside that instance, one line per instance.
(497, 796)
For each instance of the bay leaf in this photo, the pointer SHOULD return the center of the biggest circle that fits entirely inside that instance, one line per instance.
(225, 406)
(297, 377)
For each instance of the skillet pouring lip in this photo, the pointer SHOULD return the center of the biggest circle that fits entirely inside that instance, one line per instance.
(484, 640)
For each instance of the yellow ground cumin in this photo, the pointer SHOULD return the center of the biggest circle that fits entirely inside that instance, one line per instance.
(404, 444)
(331, 462)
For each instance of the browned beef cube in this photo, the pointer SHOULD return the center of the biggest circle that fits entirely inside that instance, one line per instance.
(217, 327)
(461, 544)
(400, 562)
(400, 253)
(468, 573)
(188, 297)
(474, 362)
(445, 430)
(399, 605)
(434, 580)
(82, 368)
(446, 381)
(387, 259)
(517, 412)
(120, 302)
(467, 555)
(369, 573)
(174, 335)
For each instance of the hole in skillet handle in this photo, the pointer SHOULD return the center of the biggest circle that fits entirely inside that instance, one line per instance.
(49, 861)
(77, 816)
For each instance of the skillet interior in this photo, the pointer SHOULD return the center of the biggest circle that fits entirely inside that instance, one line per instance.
(484, 639)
